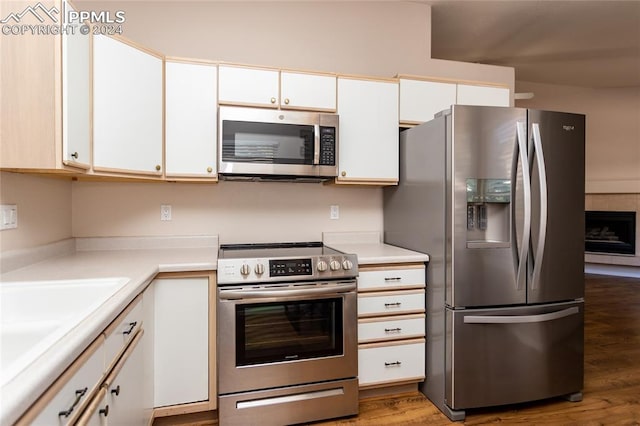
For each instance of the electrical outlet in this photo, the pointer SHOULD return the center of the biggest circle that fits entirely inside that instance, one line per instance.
(9, 216)
(334, 212)
(165, 212)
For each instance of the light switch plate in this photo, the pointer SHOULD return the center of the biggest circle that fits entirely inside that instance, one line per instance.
(8, 216)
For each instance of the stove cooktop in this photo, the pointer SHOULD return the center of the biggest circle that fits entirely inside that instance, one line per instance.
(273, 262)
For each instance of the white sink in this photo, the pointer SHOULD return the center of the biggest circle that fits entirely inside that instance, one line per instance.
(35, 315)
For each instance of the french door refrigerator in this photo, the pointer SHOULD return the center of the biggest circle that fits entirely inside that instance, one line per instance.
(495, 196)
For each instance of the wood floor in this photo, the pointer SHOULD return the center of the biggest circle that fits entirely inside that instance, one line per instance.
(612, 375)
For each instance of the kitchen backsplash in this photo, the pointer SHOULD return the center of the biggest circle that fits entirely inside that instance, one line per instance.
(236, 211)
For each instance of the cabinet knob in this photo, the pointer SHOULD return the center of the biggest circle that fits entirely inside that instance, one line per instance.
(209, 169)
(343, 174)
(273, 100)
(75, 155)
(158, 168)
(116, 391)
(104, 411)
(286, 101)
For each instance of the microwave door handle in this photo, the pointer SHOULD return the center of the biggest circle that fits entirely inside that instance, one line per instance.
(316, 144)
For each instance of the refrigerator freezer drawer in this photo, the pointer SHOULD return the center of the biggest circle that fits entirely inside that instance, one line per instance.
(510, 355)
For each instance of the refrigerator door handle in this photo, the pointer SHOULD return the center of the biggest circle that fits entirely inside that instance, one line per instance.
(521, 266)
(542, 232)
(520, 319)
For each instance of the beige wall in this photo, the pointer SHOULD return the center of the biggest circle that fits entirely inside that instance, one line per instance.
(613, 131)
(236, 211)
(377, 38)
(44, 210)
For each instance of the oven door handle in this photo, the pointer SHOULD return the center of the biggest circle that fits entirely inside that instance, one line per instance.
(258, 294)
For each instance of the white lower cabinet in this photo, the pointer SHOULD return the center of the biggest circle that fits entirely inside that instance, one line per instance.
(68, 396)
(391, 325)
(125, 392)
(388, 365)
(181, 341)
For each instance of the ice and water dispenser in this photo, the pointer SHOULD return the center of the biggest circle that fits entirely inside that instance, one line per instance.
(488, 213)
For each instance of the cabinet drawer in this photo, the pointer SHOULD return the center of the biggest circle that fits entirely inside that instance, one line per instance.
(121, 330)
(390, 328)
(71, 392)
(391, 303)
(391, 278)
(380, 365)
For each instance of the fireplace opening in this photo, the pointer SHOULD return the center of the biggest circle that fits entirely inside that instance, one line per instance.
(610, 232)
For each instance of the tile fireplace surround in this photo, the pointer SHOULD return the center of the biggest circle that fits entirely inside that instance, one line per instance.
(626, 265)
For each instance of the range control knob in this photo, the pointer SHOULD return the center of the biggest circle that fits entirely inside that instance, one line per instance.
(245, 269)
(347, 264)
(259, 269)
(322, 266)
(334, 265)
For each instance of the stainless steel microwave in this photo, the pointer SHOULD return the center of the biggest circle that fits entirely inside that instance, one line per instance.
(274, 144)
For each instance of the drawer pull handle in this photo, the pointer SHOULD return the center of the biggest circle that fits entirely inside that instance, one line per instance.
(132, 325)
(393, 330)
(116, 391)
(393, 364)
(79, 394)
(104, 411)
(392, 305)
(393, 278)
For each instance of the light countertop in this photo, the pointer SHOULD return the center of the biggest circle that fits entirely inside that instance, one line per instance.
(370, 248)
(96, 260)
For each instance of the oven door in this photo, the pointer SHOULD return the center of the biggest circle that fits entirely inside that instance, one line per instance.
(270, 142)
(267, 340)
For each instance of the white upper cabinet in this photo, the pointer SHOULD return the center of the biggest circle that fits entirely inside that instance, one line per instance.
(127, 108)
(276, 89)
(248, 86)
(76, 108)
(190, 120)
(420, 100)
(368, 135)
(307, 91)
(483, 95)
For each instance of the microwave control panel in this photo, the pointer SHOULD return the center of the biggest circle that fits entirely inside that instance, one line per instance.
(327, 146)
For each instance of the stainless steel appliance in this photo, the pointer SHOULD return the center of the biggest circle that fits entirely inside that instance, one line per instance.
(287, 333)
(269, 144)
(495, 196)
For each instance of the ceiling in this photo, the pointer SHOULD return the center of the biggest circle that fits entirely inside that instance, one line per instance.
(579, 43)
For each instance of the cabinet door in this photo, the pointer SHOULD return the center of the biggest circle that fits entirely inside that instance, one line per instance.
(181, 341)
(76, 133)
(307, 91)
(421, 100)
(125, 392)
(368, 141)
(482, 95)
(248, 86)
(400, 362)
(190, 119)
(127, 102)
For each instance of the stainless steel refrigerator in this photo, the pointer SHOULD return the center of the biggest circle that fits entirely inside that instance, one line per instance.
(495, 196)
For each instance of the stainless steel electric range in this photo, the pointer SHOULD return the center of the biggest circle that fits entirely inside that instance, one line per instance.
(287, 333)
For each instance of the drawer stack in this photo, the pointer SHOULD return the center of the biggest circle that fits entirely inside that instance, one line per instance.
(391, 324)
